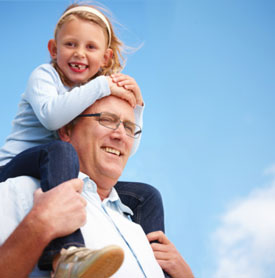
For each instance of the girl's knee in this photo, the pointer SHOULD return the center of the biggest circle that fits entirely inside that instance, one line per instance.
(151, 193)
(61, 150)
(61, 147)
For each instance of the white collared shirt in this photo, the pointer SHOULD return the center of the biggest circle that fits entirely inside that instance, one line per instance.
(106, 224)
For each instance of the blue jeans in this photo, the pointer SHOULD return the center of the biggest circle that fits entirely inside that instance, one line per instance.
(145, 202)
(56, 162)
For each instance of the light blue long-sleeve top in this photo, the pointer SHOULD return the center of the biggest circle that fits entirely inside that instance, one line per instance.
(47, 105)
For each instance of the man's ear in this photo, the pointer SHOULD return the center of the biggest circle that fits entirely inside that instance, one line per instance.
(52, 48)
(64, 134)
(107, 57)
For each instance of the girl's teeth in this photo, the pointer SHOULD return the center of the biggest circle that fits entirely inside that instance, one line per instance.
(80, 67)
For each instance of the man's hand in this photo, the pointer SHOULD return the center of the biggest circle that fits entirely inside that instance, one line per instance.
(57, 212)
(168, 256)
(61, 209)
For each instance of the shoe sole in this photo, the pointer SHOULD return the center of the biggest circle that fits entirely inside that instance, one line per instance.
(104, 263)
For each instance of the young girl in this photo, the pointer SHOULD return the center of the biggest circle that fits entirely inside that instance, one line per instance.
(85, 63)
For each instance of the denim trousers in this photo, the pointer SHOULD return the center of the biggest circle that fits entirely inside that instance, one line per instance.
(56, 162)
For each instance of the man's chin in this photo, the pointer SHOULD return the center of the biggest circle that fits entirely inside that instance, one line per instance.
(113, 174)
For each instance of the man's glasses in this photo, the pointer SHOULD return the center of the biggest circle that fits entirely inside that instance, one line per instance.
(112, 121)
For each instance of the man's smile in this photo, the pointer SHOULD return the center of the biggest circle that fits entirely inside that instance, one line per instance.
(112, 151)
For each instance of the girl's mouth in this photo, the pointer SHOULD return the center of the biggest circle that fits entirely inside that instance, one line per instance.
(78, 67)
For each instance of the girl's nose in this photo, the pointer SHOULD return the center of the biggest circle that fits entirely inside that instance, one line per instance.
(79, 53)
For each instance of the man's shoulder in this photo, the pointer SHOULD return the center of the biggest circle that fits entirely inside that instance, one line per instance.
(16, 199)
(21, 179)
(20, 184)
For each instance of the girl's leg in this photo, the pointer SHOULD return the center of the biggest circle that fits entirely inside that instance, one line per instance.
(145, 202)
(52, 163)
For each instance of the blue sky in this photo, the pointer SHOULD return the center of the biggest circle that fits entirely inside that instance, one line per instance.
(206, 70)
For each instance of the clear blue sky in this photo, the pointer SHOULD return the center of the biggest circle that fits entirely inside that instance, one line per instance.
(207, 72)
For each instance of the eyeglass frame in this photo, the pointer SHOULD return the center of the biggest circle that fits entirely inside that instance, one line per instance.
(136, 134)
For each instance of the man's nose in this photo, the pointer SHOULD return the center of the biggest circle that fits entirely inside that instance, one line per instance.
(120, 130)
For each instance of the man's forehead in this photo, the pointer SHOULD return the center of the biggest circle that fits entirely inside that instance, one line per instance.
(114, 105)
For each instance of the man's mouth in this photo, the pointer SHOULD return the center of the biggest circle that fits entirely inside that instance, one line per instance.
(112, 151)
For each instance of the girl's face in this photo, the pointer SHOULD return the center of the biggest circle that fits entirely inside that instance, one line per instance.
(80, 50)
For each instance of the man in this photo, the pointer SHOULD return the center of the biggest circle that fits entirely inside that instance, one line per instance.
(103, 143)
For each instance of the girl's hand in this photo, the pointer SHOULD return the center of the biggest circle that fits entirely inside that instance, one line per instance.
(130, 84)
(121, 92)
(168, 256)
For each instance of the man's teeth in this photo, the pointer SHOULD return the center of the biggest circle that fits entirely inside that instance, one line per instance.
(109, 150)
(80, 67)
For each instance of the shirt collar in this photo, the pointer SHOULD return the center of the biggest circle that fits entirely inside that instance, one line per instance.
(112, 198)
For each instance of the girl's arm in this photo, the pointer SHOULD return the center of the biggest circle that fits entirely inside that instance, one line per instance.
(129, 83)
(139, 120)
(53, 105)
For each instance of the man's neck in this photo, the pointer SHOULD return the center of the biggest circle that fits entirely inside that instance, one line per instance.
(104, 186)
(103, 194)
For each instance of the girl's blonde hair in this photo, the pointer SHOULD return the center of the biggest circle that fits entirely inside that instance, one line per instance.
(117, 61)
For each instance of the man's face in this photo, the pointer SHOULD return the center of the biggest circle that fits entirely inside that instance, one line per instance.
(103, 152)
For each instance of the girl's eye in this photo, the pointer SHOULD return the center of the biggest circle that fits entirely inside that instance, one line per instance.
(91, 46)
(70, 44)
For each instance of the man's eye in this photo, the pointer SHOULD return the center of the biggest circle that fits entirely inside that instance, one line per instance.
(129, 127)
(107, 119)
